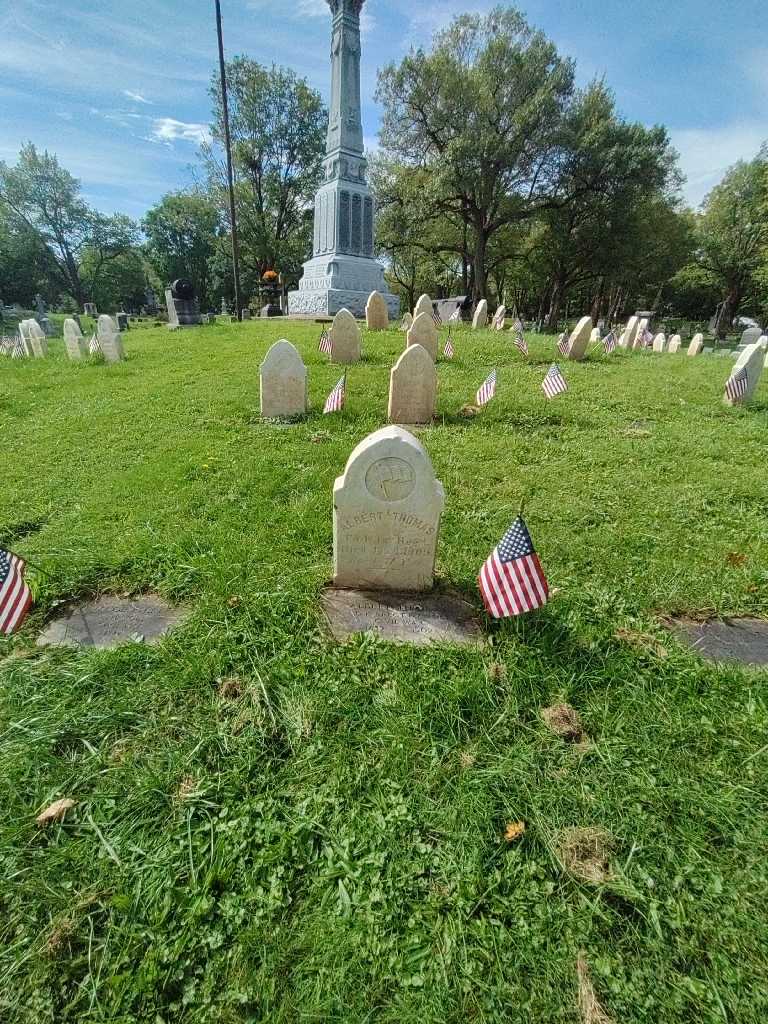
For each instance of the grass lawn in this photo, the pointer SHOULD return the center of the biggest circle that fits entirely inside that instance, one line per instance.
(272, 827)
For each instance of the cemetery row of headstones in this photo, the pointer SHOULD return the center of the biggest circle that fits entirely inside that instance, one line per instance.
(32, 343)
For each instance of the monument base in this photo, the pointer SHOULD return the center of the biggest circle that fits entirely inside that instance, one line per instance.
(335, 282)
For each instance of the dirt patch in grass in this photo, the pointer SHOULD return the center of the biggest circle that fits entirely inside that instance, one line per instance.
(564, 721)
(589, 1006)
(584, 853)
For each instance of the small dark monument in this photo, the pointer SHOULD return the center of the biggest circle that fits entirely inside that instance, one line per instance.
(447, 308)
(271, 292)
(110, 621)
(743, 640)
(122, 321)
(183, 307)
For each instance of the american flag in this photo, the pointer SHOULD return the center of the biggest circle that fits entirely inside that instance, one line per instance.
(94, 345)
(646, 338)
(448, 350)
(335, 401)
(554, 383)
(326, 343)
(455, 316)
(437, 319)
(512, 581)
(15, 595)
(487, 389)
(609, 343)
(736, 385)
(519, 339)
(563, 344)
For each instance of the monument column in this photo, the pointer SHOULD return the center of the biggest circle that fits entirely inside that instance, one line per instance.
(342, 272)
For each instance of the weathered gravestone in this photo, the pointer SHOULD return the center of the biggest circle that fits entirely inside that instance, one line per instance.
(386, 515)
(407, 322)
(376, 312)
(480, 319)
(579, 339)
(674, 343)
(74, 342)
(345, 338)
(183, 308)
(283, 378)
(750, 336)
(89, 309)
(640, 340)
(110, 342)
(752, 360)
(423, 332)
(499, 317)
(37, 339)
(419, 619)
(659, 343)
(26, 341)
(595, 335)
(413, 387)
(697, 345)
(122, 322)
(630, 332)
(424, 305)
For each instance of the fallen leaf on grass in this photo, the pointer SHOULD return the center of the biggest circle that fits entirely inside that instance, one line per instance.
(642, 642)
(497, 671)
(54, 812)
(584, 853)
(589, 1006)
(735, 558)
(234, 601)
(564, 721)
(468, 411)
(59, 935)
(514, 831)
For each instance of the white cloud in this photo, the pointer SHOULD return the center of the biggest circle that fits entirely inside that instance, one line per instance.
(136, 97)
(169, 130)
(707, 153)
(314, 8)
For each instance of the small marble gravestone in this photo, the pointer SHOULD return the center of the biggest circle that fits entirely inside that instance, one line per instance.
(386, 515)
(659, 343)
(750, 336)
(74, 342)
(674, 343)
(580, 339)
(423, 332)
(642, 327)
(595, 335)
(697, 345)
(424, 305)
(26, 340)
(407, 322)
(499, 317)
(630, 332)
(109, 339)
(480, 319)
(752, 359)
(37, 339)
(413, 387)
(283, 379)
(376, 312)
(345, 338)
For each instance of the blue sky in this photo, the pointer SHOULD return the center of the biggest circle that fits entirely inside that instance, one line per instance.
(119, 89)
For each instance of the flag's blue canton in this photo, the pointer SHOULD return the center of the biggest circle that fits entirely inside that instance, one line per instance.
(517, 543)
(5, 566)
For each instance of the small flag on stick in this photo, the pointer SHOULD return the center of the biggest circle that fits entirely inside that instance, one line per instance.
(455, 316)
(94, 345)
(554, 383)
(487, 389)
(438, 320)
(512, 580)
(326, 343)
(15, 595)
(609, 343)
(336, 399)
(563, 344)
(736, 386)
(448, 350)
(519, 339)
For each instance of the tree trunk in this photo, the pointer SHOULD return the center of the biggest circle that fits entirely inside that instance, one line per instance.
(480, 280)
(729, 311)
(558, 294)
(597, 301)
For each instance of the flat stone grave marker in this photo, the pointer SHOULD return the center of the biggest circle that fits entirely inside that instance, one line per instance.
(109, 339)
(413, 387)
(386, 515)
(579, 340)
(743, 640)
(424, 332)
(419, 619)
(376, 312)
(110, 621)
(283, 382)
(74, 342)
(480, 319)
(345, 338)
(423, 305)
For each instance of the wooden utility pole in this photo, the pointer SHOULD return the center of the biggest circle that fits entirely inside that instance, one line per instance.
(230, 175)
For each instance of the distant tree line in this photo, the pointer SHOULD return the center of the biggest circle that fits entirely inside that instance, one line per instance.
(496, 178)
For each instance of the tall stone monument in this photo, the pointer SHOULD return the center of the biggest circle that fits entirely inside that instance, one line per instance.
(342, 272)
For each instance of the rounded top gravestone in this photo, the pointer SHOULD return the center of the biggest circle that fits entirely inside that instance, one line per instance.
(345, 338)
(697, 344)
(480, 319)
(751, 360)
(424, 305)
(579, 340)
(674, 343)
(659, 342)
(407, 322)
(182, 288)
(376, 312)
(386, 515)
(283, 379)
(423, 332)
(413, 387)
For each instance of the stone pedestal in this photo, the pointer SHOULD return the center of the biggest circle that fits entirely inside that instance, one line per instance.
(182, 312)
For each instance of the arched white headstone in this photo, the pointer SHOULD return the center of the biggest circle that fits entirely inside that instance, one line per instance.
(674, 343)
(697, 345)
(37, 339)
(580, 339)
(424, 305)
(386, 515)
(480, 319)
(110, 340)
(376, 312)
(345, 338)
(424, 332)
(413, 387)
(752, 359)
(659, 343)
(74, 342)
(283, 382)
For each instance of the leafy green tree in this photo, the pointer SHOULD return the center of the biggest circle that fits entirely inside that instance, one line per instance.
(40, 195)
(26, 267)
(182, 233)
(480, 112)
(278, 125)
(733, 234)
(116, 283)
